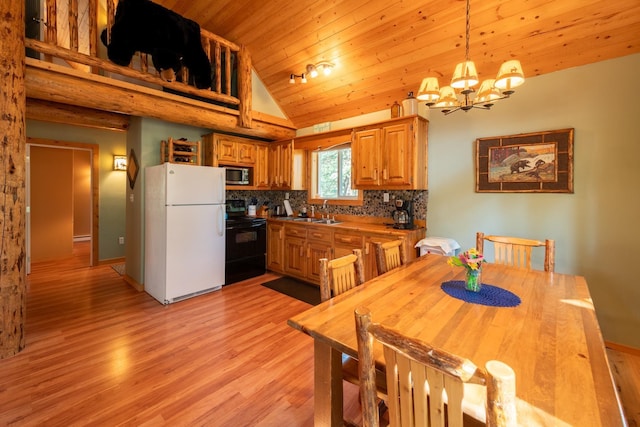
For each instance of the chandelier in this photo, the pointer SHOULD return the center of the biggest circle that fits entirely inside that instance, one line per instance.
(460, 94)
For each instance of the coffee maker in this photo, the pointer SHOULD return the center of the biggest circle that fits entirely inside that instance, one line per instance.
(403, 215)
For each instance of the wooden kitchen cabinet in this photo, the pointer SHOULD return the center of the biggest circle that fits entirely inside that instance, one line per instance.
(295, 252)
(275, 247)
(319, 245)
(344, 242)
(221, 149)
(304, 246)
(261, 169)
(280, 164)
(369, 254)
(391, 155)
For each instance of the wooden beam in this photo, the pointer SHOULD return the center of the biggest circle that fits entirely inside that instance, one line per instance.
(56, 112)
(12, 175)
(51, 82)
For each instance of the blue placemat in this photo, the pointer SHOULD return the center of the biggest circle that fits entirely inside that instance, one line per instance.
(488, 295)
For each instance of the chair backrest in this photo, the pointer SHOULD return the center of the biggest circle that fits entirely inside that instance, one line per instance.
(516, 252)
(340, 274)
(390, 255)
(416, 370)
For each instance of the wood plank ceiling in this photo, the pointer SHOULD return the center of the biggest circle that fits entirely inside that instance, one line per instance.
(383, 48)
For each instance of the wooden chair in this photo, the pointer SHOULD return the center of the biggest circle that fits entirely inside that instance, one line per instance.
(340, 274)
(389, 255)
(417, 374)
(516, 252)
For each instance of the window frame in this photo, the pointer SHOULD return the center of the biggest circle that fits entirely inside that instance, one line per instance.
(313, 184)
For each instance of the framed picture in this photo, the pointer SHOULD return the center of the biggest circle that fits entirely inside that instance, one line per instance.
(132, 168)
(540, 162)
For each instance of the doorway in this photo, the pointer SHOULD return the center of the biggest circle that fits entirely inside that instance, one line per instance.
(62, 200)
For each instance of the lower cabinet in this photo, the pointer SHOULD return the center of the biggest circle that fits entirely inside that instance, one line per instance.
(303, 248)
(296, 249)
(275, 247)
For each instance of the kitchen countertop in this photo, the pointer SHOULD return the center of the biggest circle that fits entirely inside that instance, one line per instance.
(352, 223)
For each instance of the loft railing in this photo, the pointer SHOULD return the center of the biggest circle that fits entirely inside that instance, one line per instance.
(77, 41)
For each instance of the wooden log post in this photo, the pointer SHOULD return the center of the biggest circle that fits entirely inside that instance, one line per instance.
(501, 395)
(12, 179)
(244, 87)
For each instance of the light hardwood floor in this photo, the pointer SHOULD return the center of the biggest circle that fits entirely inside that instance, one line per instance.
(100, 353)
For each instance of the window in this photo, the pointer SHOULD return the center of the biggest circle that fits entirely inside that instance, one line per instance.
(331, 175)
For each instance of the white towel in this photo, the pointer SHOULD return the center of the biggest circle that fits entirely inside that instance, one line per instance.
(446, 244)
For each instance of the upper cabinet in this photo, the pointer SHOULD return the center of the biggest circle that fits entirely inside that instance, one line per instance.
(221, 149)
(390, 155)
(280, 164)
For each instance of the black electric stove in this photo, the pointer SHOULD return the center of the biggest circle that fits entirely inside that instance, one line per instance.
(246, 243)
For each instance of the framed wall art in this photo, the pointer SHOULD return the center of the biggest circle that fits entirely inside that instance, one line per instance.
(132, 168)
(540, 162)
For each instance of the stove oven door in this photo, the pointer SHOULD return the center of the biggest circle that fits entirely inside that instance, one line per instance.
(246, 248)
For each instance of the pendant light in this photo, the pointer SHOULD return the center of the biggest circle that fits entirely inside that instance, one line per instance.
(459, 94)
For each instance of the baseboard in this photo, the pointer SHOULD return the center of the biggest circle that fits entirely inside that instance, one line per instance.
(110, 261)
(134, 284)
(622, 348)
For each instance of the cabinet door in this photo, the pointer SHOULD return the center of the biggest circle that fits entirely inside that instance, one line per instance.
(365, 155)
(369, 255)
(246, 153)
(226, 150)
(280, 165)
(295, 256)
(261, 169)
(286, 165)
(397, 149)
(275, 247)
(315, 251)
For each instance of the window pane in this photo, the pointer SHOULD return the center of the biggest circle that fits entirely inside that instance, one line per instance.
(334, 174)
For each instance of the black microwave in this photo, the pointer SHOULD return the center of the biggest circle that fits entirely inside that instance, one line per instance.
(238, 176)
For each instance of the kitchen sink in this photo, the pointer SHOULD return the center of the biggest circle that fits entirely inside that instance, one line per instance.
(325, 221)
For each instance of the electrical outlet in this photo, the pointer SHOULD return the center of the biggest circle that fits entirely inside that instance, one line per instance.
(121, 240)
(286, 196)
(385, 197)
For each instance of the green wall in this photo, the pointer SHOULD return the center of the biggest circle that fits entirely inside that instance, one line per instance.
(111, 221)
(596, 228)
(144, 137)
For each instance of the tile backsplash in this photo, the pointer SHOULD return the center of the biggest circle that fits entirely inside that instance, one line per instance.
(373, 201)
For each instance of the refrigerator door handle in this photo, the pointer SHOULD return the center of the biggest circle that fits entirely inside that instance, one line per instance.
(221, 221)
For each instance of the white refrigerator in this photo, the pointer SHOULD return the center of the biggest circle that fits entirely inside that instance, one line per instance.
(184, 232)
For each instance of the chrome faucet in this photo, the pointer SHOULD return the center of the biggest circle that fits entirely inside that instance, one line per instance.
(325, 207)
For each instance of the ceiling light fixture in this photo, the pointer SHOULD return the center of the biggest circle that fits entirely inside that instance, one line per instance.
(313, 71)
(465, 77)
(302, 77)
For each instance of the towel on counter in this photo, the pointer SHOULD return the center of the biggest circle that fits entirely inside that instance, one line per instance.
(443, 245)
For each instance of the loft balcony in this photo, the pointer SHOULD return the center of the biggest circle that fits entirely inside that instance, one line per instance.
(66, 65)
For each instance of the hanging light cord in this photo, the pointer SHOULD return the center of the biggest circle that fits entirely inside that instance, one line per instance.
(467, 29)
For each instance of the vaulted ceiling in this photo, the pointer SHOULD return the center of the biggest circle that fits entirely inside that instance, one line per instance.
(383, 48)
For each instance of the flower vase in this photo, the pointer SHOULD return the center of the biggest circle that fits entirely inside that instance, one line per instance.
(473, 280)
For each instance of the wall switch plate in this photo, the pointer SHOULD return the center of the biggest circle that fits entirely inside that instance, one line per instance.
(121, 240)
(385, 197)
(131, 197)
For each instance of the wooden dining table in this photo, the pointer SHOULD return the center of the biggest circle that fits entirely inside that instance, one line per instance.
(551, 339)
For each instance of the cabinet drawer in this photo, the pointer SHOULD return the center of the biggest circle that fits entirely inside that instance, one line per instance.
(295, 231)
(344, 239)
(317, 233)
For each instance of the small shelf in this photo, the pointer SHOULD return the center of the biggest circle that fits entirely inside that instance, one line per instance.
(180, 151)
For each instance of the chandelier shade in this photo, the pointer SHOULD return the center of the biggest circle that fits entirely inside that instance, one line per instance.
(461, 95)
(429, 90)
(465, 75)
(510, 76)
